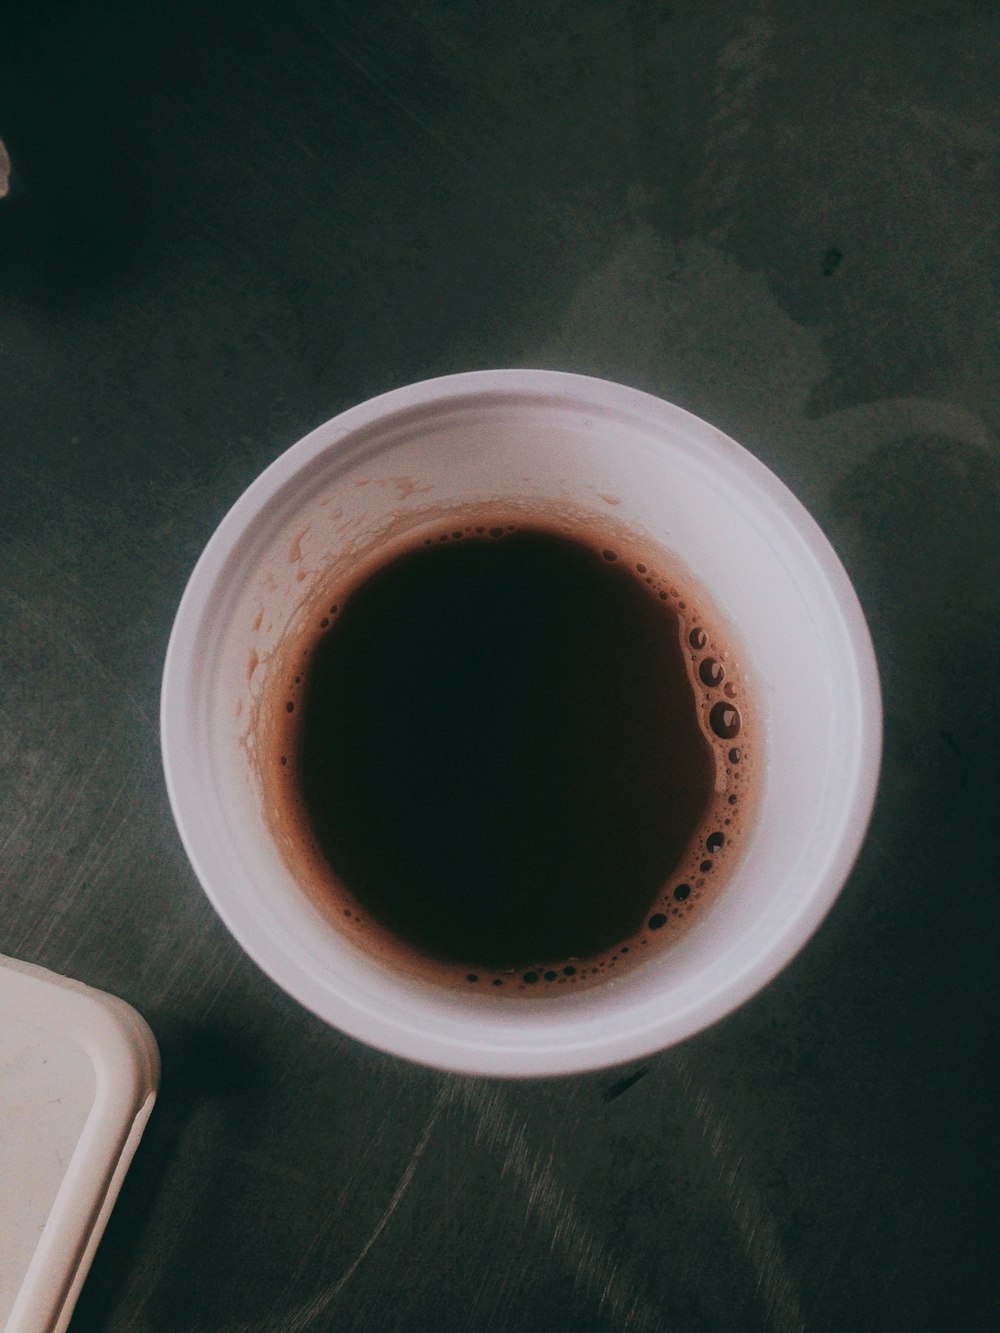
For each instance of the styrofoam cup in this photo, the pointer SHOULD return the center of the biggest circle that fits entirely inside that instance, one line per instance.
(526, 435)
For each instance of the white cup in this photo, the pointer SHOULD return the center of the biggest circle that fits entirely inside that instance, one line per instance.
(524, 435)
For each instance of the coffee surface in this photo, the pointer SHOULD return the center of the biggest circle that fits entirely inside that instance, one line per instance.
(508, 754)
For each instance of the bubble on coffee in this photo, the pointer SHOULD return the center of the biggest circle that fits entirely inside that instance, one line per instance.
(345, 875)
(725, 721)
(711, 672)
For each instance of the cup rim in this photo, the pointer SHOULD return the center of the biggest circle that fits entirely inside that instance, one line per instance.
(396, 1032)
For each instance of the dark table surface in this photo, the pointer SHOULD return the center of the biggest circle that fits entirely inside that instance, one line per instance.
(228, 221)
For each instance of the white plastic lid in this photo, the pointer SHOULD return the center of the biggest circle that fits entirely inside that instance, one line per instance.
(78, 1076)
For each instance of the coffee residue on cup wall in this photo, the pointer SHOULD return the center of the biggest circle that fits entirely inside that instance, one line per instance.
(405, 486)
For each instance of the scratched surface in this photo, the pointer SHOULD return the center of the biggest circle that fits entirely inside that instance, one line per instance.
(228, 221)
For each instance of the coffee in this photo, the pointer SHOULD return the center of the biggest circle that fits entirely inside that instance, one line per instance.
(510, 752)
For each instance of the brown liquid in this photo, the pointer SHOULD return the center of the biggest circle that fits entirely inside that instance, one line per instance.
(505, 756)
